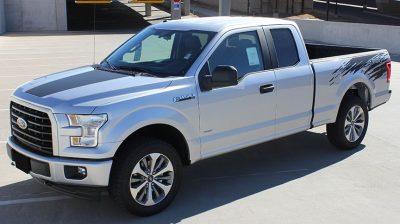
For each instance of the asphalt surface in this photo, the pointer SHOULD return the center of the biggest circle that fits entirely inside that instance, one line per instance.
(297, 179)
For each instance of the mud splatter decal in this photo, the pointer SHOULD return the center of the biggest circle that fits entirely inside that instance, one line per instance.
(372, 66)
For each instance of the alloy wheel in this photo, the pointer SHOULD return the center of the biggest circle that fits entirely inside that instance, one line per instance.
(354, 123)
(151, 179)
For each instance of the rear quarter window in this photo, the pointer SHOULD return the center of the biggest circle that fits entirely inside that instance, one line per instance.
(285, 47)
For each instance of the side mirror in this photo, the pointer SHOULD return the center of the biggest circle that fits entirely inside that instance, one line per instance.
(224, 75)
(205, 78)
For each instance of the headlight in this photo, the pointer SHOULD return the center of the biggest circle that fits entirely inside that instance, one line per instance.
(90, 125)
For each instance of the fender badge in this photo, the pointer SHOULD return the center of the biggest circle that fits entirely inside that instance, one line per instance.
(183, 98)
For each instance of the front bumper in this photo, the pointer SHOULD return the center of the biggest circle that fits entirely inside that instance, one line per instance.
(98, 171)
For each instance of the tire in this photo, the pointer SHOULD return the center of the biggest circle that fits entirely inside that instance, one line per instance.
(340, 136)
(129, 174)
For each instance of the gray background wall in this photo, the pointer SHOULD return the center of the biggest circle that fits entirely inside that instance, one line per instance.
(266, 8)
(236, 5)
(35, 15)
(352, 34)
(2, 18)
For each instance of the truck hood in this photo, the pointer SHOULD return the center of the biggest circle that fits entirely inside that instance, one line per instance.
(73, 91)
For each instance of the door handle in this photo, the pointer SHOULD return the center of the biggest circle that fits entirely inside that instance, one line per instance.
(267, 88)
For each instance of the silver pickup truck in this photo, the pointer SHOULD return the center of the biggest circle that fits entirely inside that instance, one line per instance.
(182, 91)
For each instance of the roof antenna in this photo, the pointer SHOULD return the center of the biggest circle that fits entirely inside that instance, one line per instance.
(94, 33)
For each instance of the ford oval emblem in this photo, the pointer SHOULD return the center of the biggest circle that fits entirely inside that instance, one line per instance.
(22, 123)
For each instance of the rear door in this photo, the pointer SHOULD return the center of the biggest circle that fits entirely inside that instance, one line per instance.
(294, 79)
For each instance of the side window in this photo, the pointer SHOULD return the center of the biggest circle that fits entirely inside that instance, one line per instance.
(285, 47)
(242, 51)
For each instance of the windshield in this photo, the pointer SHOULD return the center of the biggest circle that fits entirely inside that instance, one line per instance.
(160, 52)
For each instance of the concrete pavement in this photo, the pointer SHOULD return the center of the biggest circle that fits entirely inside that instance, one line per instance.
(298, 179)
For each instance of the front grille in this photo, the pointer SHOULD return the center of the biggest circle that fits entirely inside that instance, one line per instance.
(37, 135)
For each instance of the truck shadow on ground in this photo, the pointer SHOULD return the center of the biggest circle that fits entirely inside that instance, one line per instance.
(206, 185)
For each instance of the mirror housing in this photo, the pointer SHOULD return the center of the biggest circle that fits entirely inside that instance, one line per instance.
(205, 78)
(224, 75)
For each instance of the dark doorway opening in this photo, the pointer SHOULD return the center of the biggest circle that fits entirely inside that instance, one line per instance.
(114, 16)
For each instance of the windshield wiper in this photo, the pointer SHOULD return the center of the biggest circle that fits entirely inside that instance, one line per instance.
(134, 71)
(138, 71)
(99, 67)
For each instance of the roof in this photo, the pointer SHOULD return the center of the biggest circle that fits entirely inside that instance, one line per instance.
(220, 23)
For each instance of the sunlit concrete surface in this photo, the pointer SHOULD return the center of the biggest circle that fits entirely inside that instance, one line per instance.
(298, 179)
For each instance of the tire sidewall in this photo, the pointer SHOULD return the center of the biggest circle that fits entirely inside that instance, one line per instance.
(350, 102)
(131, 159)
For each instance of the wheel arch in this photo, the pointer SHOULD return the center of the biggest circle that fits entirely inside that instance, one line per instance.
(360, 89)
(161, 131)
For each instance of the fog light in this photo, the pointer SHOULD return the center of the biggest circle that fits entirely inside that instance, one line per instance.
(82, 171)
(75, 172)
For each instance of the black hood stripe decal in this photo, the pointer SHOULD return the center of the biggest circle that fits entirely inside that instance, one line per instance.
(74, 81)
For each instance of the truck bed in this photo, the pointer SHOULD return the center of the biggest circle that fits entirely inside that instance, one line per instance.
(316, 51)
(349, 64)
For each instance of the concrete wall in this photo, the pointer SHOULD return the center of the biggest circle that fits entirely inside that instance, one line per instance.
(236, 5)
(2, 18)
(264, 6)
(352, 34)
(35, 15)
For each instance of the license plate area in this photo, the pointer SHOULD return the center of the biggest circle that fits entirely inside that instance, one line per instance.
(27, 164)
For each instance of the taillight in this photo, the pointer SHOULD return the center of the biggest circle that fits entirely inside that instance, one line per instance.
(388, 70)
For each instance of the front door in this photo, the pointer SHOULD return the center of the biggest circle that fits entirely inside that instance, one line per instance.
(238, 116)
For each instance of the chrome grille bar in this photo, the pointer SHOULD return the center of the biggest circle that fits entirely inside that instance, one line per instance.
(40, 148)
(29, 114)
(28, 135)
(37, 124)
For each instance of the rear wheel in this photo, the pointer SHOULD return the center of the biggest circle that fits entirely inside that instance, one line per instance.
(147, 177)
(351, 124)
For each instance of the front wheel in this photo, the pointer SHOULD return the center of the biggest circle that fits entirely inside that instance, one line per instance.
(351, 124)
(146, 177)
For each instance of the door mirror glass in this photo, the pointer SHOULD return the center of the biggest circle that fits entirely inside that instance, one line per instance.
(224, 75)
